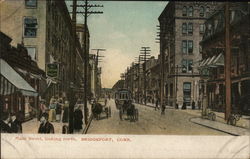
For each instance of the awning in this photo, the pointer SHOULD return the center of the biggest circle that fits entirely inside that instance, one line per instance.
(15, 79)
(218, 61)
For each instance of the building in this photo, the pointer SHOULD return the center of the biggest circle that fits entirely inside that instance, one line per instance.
(153, 79)
(212, 65)
(20, 80)
(181, 30)
(45, 29)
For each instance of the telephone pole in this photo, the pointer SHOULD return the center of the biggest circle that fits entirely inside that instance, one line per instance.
(71, 95)
(227, 61)
(97, 60)
(145, 52)
(86, 13)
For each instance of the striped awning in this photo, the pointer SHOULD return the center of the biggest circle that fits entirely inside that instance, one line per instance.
(11, 81)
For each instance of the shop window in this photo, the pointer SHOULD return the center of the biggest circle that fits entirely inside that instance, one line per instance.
(184, 28)
(30, 27)
(184, 11)
(31, 3)
(190, 28)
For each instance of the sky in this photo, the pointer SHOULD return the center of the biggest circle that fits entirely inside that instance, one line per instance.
(122, 29)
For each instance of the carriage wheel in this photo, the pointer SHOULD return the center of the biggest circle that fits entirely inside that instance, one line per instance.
(120, 114)
(109, 111)
(136, 115)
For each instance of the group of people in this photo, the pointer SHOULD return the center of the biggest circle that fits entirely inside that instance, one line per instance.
(55, 109)
(54, 114)
(11, 123)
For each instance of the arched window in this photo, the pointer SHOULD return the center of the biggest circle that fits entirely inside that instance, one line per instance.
(202, 11)
(184, 11)
(190, 11)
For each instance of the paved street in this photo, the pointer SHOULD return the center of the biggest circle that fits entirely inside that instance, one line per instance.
(151, 122)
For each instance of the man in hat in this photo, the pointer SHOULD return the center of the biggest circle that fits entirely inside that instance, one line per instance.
(16, 123)
(45, 127)
(5, 123)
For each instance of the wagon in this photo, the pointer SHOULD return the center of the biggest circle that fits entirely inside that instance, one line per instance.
(123, 101)
(98, 109)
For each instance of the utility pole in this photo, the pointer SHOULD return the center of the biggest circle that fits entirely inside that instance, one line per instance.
(97, 60)
(71, 96)
(162, 62)
(145, 53)
(138, 63)
(86, 13)
(227, 61)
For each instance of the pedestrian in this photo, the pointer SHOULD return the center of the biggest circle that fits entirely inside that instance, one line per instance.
(199, 105)
(65, 112)
(5, 123)
(163, 109)
(43, 107)
(156, 104)
(193, 105)
(184, 106)
(58, 110)
(78, 118)
(45, 127)
(105, 102)
(16, 123)
(52, 111)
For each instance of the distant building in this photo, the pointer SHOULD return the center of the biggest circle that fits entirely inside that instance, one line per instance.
(181, 30)
(212, 63)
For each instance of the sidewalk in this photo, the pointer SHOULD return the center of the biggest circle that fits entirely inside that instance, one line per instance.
(242, 126)
(31, 126)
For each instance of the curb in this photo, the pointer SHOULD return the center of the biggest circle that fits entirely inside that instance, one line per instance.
(87, 127)
(221, 130)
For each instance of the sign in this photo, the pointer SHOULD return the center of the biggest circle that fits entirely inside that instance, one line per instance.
(52, 70)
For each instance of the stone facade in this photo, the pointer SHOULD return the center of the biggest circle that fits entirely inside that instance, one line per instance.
(181, 25)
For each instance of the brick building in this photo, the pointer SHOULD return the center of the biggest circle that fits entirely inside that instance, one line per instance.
(212, 64)
(45, 29)
(181, 30)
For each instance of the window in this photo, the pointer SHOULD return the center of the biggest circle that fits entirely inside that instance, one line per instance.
(190, 28)
(202, 28)
(184, 28)
(30, 27)
(187, 66)
(207, 11)
(184, 66)
(31, 3)
(184, 46)
(190, 11)
(202, 11)
(190, 46)
(187, 92)
(184, 11)
(32, 53)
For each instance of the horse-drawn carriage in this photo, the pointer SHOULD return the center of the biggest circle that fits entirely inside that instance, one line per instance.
(123, 101)
(98, 108)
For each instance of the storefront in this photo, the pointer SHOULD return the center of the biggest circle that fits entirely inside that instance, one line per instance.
(16, 94)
